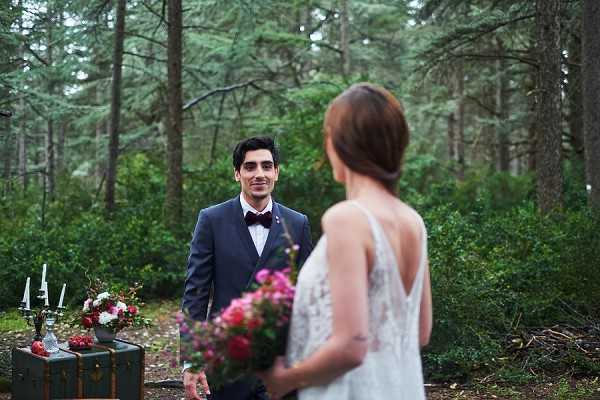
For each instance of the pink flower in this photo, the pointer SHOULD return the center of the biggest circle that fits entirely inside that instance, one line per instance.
(262, 275)
(208, 355)
(234, 315)
(184, 328)
(132, 309)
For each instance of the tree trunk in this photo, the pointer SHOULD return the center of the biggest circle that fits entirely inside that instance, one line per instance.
(22, 156)
(591, 97)
(62, 125)
(174, 197)
(100, 132)
(460, 145)
(549, 135)
(575, 89)
(7, 154)
(213, 146)
(61, 146)
(22, 147)
(115, 107)
(345, 38)
(451, 137)
(50, 156)
(502, 127)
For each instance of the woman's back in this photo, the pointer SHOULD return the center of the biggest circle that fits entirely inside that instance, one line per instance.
(396, 255)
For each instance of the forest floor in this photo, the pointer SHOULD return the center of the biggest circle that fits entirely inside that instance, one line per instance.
(163, 373)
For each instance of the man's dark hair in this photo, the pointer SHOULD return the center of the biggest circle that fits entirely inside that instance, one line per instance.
(254, 143)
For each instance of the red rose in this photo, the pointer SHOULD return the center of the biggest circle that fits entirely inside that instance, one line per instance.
(95, 317)
(254, 323)
(238, 348)
(87, 322)
(132, 310)
(234, 316)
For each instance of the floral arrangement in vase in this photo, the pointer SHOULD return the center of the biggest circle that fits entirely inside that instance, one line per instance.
(109, 312)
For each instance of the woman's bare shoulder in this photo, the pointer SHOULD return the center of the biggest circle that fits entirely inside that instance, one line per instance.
(343, 216)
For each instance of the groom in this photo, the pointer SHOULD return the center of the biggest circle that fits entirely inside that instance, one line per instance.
(235, 239)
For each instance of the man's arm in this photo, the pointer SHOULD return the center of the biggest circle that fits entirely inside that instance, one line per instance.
(305, 243)
(196, 295)
(200, 270)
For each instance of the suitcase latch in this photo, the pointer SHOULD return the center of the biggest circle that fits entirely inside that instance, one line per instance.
(96, 375)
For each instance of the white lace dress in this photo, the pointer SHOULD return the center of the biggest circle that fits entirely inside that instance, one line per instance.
(392, 366)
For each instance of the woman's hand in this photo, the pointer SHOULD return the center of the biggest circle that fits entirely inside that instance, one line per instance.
(276, 379)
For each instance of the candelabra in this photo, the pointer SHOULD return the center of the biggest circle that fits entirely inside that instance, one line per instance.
(36, 318)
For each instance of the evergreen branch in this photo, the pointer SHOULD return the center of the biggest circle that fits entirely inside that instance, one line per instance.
(144, 56)
(496, 56)
(480, 104)
(226, 89)
(37, 56)
(483, 30)
(152, 40)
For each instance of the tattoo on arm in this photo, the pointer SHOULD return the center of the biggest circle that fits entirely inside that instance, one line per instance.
(360, 338)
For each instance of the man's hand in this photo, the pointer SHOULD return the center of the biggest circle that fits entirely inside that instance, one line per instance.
(190, 382)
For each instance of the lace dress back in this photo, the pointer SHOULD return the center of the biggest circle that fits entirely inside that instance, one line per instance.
(392, 366)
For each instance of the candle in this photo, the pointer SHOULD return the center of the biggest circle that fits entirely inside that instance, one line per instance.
(45, 288)
(43, 276)
(62, 295)
(27, 305)
(26, 292)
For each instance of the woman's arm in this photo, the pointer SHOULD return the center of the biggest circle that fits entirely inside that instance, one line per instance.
(425, 315)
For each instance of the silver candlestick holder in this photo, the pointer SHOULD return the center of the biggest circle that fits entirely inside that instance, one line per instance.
(36, 318)
(50, 342)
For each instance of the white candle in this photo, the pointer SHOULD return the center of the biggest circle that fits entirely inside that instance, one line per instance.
(43, 276)
(25, 293)
(45, 288)
(62, 295)
(27, 305)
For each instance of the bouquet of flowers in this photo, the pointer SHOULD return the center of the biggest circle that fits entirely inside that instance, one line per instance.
(248, 335)
(113, 311)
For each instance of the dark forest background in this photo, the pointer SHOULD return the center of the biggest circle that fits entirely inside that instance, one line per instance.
(119, 118)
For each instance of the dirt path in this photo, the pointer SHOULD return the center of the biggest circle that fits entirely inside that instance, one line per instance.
(161, 342)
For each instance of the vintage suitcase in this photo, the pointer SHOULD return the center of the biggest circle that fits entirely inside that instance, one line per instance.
(113, 371)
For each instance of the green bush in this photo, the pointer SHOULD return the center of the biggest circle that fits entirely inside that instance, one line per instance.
(494, 274)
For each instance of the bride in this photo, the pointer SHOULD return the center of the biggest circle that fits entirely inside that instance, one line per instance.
(363, 301)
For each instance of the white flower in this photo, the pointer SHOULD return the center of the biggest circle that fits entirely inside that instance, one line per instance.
(105, 318)
(121, 306)
(86, 305)
(103, 295)
(96, 303)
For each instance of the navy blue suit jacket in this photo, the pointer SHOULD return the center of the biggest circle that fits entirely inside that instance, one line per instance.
(223, 260)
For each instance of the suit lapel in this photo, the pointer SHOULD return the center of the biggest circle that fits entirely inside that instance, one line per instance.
(275, 231)
(242, 230)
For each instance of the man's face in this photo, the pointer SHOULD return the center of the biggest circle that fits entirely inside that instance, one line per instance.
(257, 174)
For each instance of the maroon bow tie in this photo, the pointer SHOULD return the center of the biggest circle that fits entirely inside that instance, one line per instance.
(265, 219)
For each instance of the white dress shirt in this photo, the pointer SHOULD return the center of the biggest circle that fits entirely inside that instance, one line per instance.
(258, 232)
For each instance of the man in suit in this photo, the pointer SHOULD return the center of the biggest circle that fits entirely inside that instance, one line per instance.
(235, 239)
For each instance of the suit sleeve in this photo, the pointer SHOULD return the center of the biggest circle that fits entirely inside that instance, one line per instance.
(200, 270)
(306, 242)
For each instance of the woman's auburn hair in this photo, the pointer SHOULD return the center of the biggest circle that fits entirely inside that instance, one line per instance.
(369, 132)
